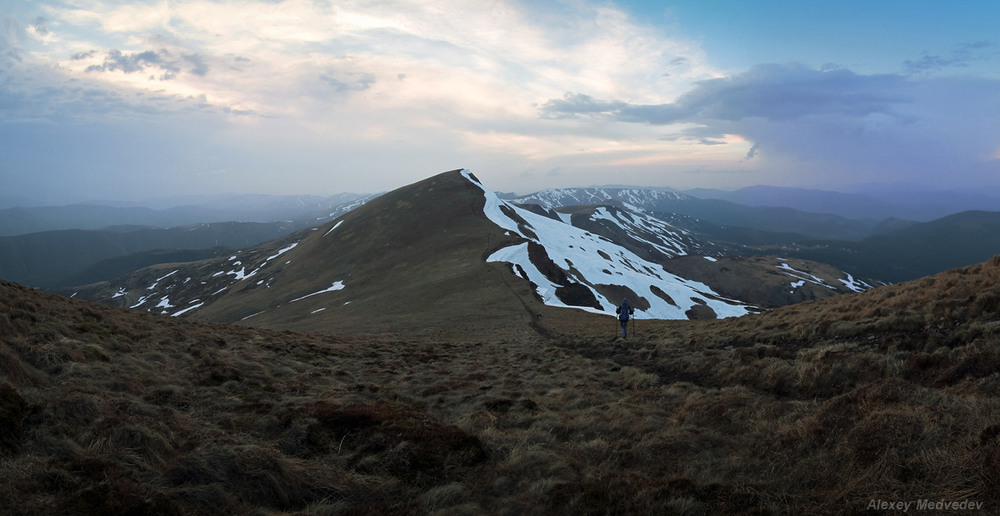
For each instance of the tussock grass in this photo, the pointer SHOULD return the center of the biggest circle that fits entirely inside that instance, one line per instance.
(813, 408)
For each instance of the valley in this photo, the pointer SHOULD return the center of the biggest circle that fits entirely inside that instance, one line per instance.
(439, 350)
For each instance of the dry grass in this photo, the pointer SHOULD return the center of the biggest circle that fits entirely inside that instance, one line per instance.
(818, 407)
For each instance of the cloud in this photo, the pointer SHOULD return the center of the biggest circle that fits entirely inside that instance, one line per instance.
(315, 88)
(83, 55)
(115, 60)
(357, 82)
(198, 63)
(771, 92)
(37, 27)
(573, 105)
(960, 56)
(827, 125)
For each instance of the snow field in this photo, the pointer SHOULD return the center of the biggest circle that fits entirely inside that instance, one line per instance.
(581, 255)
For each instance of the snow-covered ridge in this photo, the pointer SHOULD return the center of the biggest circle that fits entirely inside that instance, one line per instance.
(593, 261)
(632, 198)
(646, 229)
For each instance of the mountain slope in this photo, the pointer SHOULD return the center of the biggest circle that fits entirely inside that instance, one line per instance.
(422, 255)
(733, 271)
(816, 408)
(597, 282)
(769, 281)
(413, 257)
(640, 232)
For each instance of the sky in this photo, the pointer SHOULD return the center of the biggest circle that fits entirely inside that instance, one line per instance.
(128, 100)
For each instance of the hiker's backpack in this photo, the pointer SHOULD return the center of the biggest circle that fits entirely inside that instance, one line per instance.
(623, 313)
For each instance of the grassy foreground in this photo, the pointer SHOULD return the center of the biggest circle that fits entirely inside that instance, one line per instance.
(822, 407)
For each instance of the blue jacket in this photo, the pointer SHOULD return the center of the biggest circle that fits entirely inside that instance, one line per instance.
(624, 311)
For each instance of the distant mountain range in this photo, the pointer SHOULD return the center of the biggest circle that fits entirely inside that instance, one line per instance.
(658, 225)
(871, 202)
(414, 256)
(53, 259)
(715, 211)
(912, 251)
(56, 259)
(199, 210)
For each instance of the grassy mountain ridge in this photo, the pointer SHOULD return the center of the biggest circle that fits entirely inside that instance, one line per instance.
(818, 407)
(414, 256)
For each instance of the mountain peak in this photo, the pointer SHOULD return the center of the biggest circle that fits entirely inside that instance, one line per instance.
(410, 258)
(439, 253)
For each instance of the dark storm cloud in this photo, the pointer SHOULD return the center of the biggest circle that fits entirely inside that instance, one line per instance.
(916, 127)
(771, 92)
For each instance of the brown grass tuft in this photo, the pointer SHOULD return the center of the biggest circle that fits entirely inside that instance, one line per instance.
(814, 408)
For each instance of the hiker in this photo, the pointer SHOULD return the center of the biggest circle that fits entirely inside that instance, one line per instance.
(624, 313)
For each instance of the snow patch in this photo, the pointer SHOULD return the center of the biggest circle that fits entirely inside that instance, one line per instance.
(161, 278)
(281, 252)
(188, 309)
(241, 274)
(339, 285)
(646, 229)
(335, 226)
(804, 276)
(855, 284)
